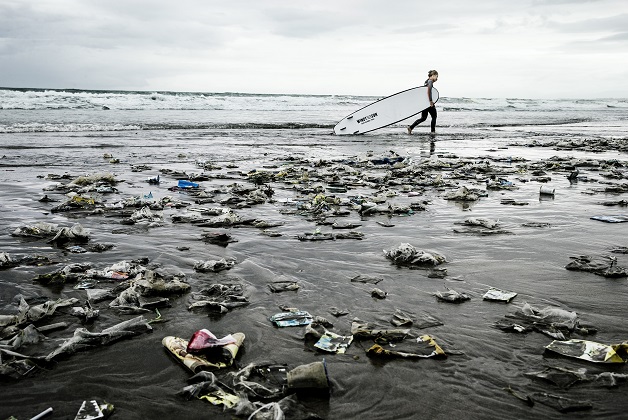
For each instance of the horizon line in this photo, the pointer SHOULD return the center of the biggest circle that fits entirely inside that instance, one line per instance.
(282, 94)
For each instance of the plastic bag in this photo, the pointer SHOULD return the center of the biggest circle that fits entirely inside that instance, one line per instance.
(204, 339)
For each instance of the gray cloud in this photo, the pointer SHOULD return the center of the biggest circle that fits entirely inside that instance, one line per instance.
(617, 37)
(617, 23)
(271, 44)
(615, 44)
(562, 2)
(300, 23)
(437, 28)
(105, 28)
(71, 68)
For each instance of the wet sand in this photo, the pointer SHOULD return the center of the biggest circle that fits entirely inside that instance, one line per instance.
(528, 257)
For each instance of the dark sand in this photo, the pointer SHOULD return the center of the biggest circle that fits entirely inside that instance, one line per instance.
(142, 381)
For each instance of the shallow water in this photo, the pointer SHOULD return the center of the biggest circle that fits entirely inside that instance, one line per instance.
(142, 381)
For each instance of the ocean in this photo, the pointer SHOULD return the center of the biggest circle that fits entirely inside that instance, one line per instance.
(504, 149)
(44, 110)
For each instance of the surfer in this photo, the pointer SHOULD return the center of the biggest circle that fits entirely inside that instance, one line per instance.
(432, 77)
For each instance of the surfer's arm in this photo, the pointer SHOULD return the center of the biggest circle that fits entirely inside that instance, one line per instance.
(429, 92)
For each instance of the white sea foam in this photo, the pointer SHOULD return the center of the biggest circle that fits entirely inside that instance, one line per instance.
(39, 110)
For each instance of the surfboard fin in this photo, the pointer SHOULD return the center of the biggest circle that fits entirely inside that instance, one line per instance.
(356, 132)
(349, 117)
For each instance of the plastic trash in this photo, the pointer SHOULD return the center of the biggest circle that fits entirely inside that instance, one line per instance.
(437, 273)
(187, 184)
(145, 214)
(86, 340)
(218, 238)
(606, 267)
(291, 319)
(37, 230)
(616, 218)
(378, 293)
(283, 286)
(498, 295)
(28, 314)
(334, 343)
(401, 319)
(363, 330)
(76, 249)
(427, 348)
(271, 411)
(263, 380)
(6, 261)
(338, 312)
(561, 377)
(406, 254)
(203, 340)
(84, 201)
(452, 296)
(549, 315)
(366, 279)
(610, 379)
(316, 236)
(317, 328)
(215, 396)
(525, 398)
(547, 190)
(219, 298)
(105, 189)
(86, 313)
(75, 233)
(42, 414)
(25, 337)
(562, 404)
(205, 386)
(554, 322)
(287, 407)
(466, 194)
(196, 363)
(16, 365)
(590, 351)
(313, 375)
(482, 222)
(92, 410)
(214, 266)
(513, 202)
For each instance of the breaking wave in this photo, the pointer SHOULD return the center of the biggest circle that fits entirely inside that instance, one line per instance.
(74, 127)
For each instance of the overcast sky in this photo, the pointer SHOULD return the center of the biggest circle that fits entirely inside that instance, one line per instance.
(481, 48)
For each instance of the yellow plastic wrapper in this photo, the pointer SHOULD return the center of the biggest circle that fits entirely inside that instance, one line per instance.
(590, 351)
(83, 200)
(196, 363)
(427, 348)
(220, 397)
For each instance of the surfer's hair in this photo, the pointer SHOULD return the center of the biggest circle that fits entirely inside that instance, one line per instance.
(432, 73)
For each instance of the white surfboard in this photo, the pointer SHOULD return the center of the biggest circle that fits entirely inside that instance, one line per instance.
(386, 111)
